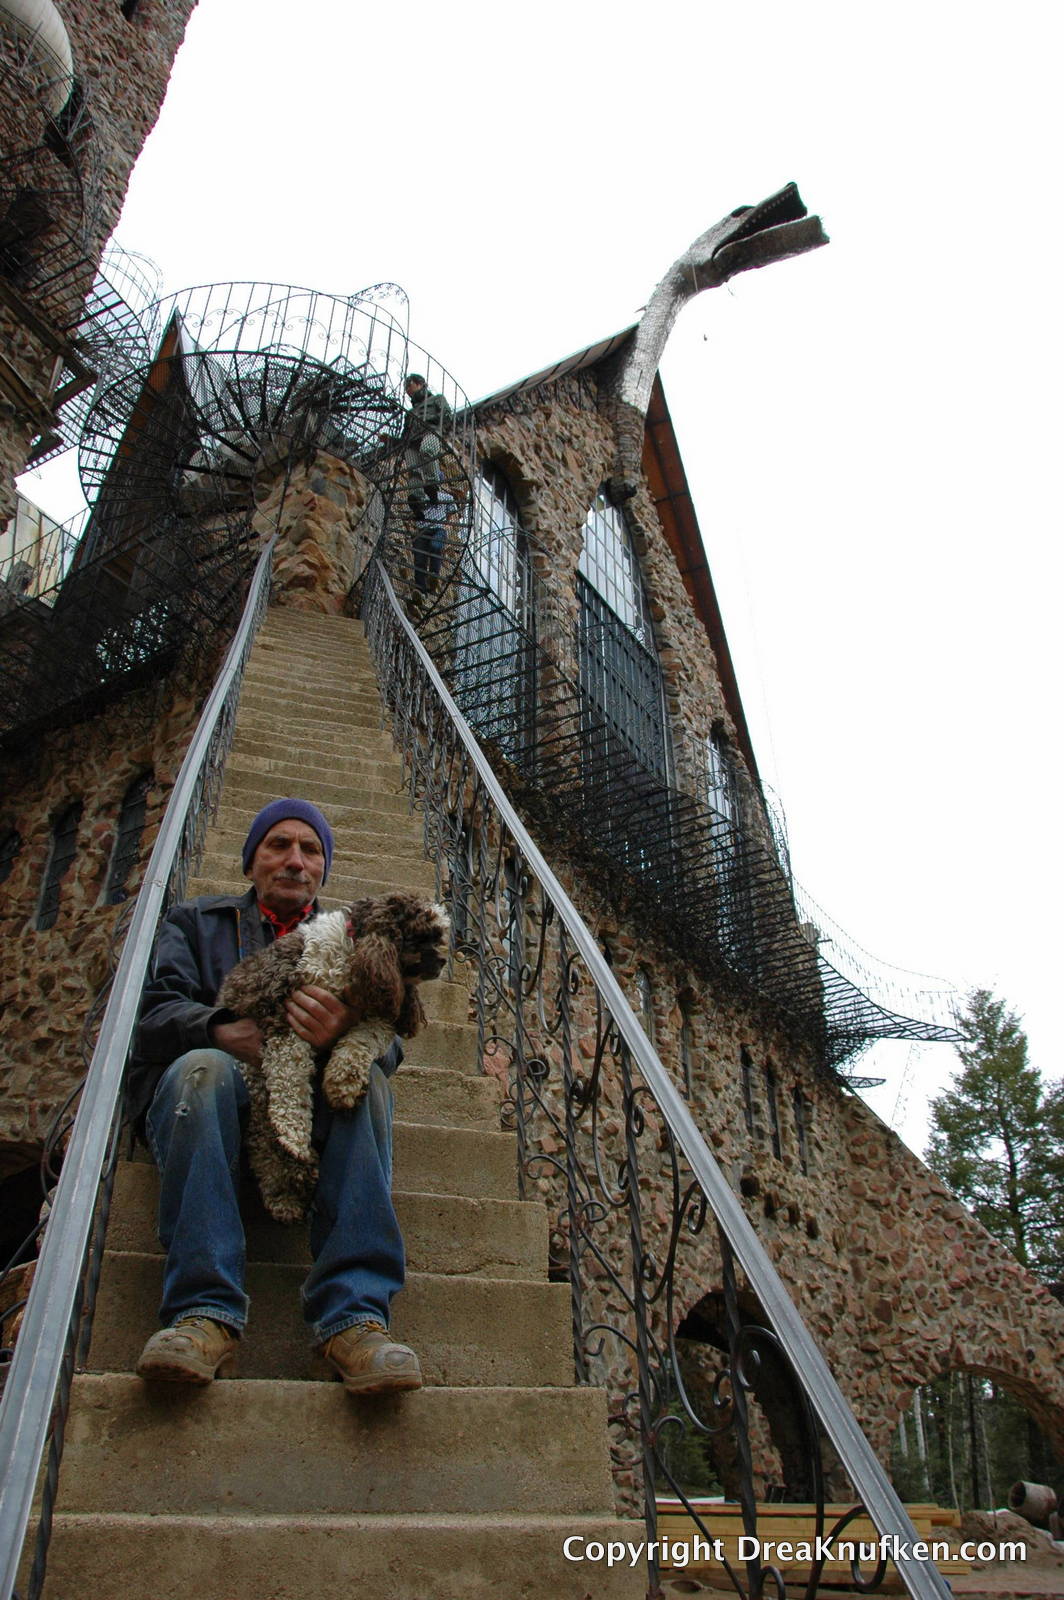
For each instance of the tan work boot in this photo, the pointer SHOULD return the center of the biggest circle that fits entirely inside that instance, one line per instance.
(194, 1350)
(370, 1362)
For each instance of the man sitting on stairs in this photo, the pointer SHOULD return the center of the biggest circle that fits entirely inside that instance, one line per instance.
(186, 1090)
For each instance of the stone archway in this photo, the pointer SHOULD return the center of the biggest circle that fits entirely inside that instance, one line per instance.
(966, 1436)
(781, 1437)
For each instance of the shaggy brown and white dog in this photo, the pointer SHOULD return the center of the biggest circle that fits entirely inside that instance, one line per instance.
(372, 955)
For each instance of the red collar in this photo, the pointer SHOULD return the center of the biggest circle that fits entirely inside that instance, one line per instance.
(280, 928)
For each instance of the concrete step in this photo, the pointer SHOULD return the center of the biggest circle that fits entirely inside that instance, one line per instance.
(447, 1099)
(434, 1160)
(337, 660)
(444, 1044)
(132, 1556)
(320, 674)
(445, 1234)
(467, 1331)
(354, 690)
(328, 732)
(287, 618)
(267, 691)
(289, 1449)
(287, 626)
(431, 1158)
(405, 839)
(354, 828)
(287, 767)
(243, 789)
(446, 1001)
(297, 715)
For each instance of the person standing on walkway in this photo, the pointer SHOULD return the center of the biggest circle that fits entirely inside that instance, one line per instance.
(429, 418)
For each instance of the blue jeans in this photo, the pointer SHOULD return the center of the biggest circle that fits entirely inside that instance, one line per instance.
(195, 1126)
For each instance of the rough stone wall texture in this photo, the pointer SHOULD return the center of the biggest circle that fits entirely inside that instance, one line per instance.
(49, 978)
(127, 63)
(124, 66)
(895, 1279)
(327, 516)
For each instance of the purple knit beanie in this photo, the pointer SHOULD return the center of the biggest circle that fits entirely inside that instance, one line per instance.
(281, 811)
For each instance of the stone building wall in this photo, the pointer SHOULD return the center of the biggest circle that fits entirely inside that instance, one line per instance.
(327, 517)
(895, 1279)
(49, 978)
(123, 65)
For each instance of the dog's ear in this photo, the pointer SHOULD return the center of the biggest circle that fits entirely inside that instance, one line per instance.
(411, 1018)
(376, 986)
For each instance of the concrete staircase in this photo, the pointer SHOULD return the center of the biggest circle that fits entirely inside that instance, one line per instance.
(276, 1485)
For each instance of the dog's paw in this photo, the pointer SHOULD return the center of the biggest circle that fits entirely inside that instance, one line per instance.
(344, 1092)
(283, 1208)
(295, 1144)
(287, 1198)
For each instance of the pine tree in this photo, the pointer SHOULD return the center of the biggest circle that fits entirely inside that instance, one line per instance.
(997, 1137)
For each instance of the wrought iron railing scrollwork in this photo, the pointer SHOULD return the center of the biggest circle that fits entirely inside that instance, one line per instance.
(57, 1318)
(640, 1212)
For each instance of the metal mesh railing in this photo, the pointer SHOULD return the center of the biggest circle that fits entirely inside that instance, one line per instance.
(586, 761)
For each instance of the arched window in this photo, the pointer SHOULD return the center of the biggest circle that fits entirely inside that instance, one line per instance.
(611, 567)
(60, 857)
(801, 1125)
(10, 845)
(720, 778)
(735, 929)
(645, 991)
(687, 1045)
(127, 838)
(746, 1073)
(618, 662)
(498, 546)
(772, 1101)
(495, 656)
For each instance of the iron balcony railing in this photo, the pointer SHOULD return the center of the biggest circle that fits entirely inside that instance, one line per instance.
(572, 712)
(58, 1313)
(607, 1139)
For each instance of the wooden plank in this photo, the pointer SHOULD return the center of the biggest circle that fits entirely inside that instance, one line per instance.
(794, 1524)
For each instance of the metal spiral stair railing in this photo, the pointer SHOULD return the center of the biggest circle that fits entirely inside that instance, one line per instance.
(248, 383)
(602, 1130)
(57, 1316)
(115, 335)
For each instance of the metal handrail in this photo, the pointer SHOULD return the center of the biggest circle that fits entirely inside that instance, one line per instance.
(870, 1482)
(29, 1394)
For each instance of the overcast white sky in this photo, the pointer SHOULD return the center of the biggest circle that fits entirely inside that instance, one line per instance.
(870, 432)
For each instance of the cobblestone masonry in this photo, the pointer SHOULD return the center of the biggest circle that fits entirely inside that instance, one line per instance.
(48, 978)
(124, 65)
